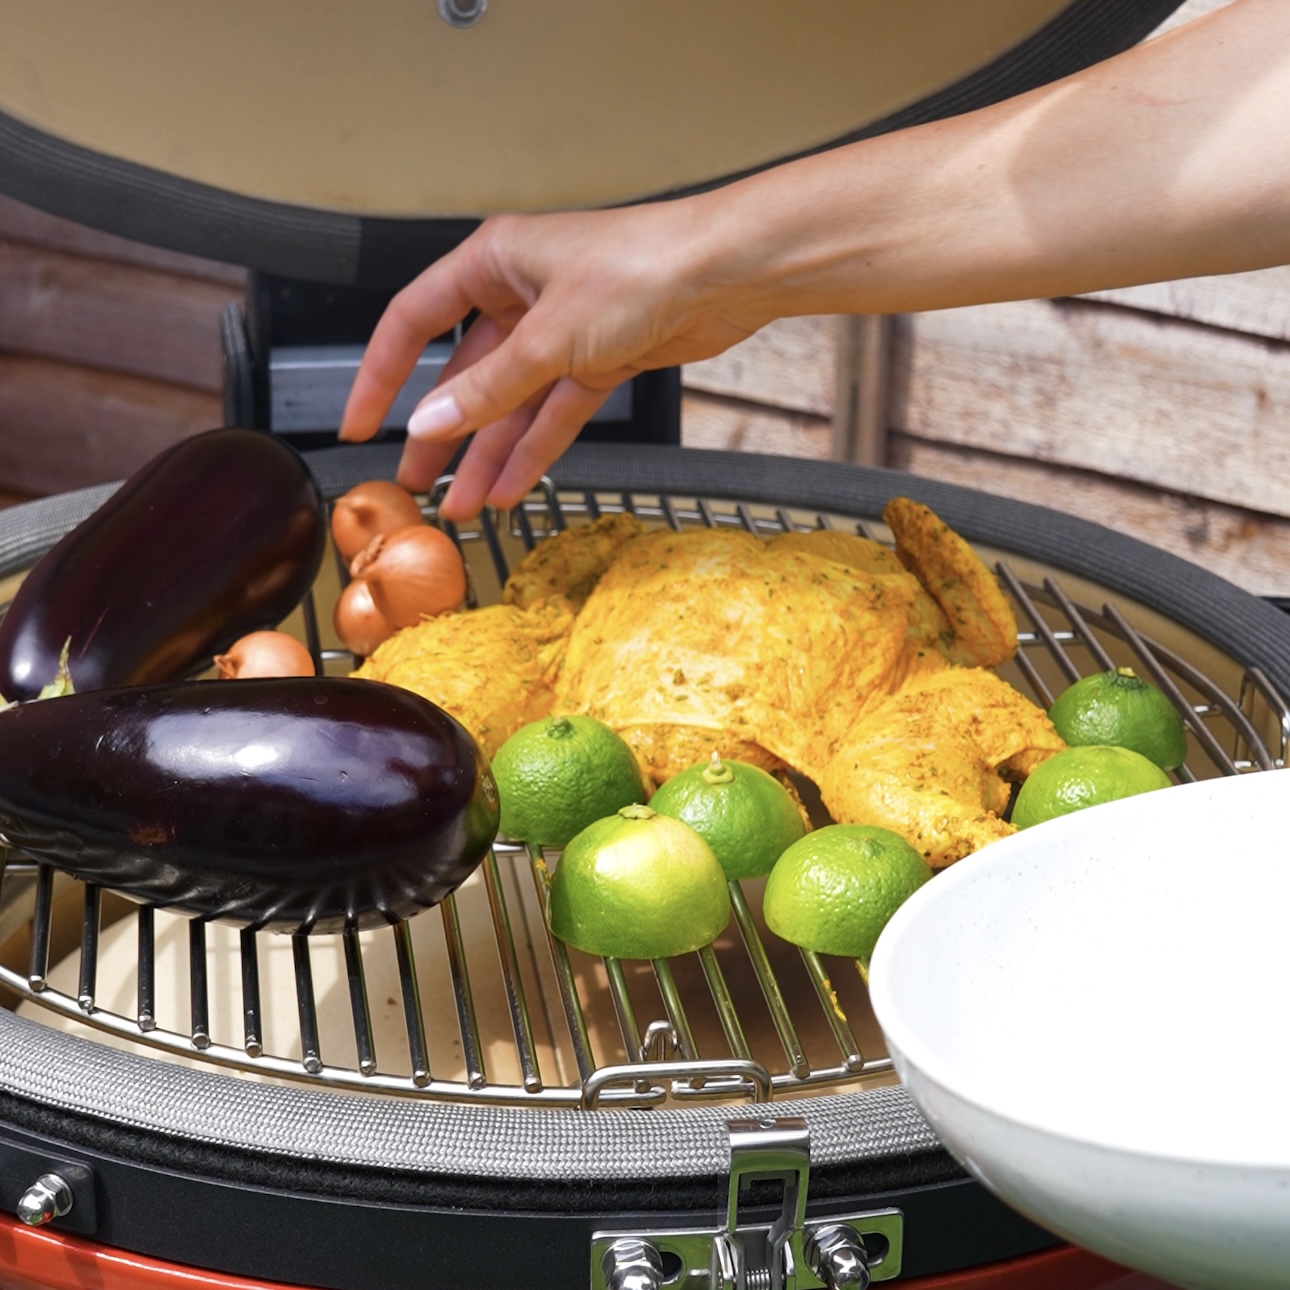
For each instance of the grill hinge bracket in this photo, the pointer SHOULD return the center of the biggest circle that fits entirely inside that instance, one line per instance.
(841, 1252)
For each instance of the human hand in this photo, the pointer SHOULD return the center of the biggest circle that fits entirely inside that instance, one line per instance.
(570, 306)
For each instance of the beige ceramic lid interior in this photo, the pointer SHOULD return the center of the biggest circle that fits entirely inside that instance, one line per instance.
(382, 108)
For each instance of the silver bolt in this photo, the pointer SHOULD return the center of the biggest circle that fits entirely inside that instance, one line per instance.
(631, 1264)
(49, 1197)
(462, 13)
(838, 1257)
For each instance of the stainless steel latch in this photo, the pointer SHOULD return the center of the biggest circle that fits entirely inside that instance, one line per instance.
(792, 1252)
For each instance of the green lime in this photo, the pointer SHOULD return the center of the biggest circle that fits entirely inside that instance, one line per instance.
(638, 885)
(555, 776)
(1119, 708)
(1086, 775)
(745, 815)
(836, 889)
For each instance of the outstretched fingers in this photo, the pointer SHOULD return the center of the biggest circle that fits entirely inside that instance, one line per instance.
(428, 307)
(512, 369)
(564, 411)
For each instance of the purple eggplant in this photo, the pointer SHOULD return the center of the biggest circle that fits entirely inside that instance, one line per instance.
(292, 803)
(215, 537)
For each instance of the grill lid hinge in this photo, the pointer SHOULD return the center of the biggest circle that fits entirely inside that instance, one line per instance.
(843, 1252)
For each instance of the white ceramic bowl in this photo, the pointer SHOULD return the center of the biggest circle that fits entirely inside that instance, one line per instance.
(1094, 1016)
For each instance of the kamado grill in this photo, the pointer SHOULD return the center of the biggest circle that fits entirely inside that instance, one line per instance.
(459, 1101)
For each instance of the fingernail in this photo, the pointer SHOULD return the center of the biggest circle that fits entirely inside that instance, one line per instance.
(439, 414)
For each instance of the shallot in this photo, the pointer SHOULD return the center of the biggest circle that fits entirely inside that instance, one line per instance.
(266, 653)
(413, 572)
(359, 624)
(369, 509)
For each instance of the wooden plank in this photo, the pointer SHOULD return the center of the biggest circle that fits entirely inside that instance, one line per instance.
(65, 427)
(119, 317)
(1249, 549)
(1182, 408)
(790, 364)
(1249, 302)
(22, 223)
(709, 421)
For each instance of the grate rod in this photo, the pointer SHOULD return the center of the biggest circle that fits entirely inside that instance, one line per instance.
(730, 1024)
(675, 1010)
(253, 1037)
(628, 1026)
(1162, 679)
(521, 1025)
(525, 526)
(852, 1058)
(364, 1043)
(784, 1027)
(412, 1021)
(198, 994)
(313, 641)
(146, 1014)
(574, 1018)
(462, 997)
(1043, 631)
(306, 1005)
(489, 529)
(90, 920)
(1254, 683)
(41, 918)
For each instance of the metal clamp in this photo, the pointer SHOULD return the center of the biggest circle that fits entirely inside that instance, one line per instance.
(843, 1252)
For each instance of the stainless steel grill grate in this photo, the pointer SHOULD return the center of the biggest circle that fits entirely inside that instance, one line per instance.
(480, 1004)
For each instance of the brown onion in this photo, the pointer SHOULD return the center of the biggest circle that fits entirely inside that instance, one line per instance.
(359, 624)
(368, 510)
(265, 654)
(414, 572)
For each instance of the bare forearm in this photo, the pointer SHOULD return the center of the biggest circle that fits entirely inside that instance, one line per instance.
(1170, 161)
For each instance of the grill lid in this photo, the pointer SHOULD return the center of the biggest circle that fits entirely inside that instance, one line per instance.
(354, 148)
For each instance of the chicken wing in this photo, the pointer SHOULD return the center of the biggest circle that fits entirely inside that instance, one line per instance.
(983, 629)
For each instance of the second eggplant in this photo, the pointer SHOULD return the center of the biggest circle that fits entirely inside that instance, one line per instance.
(296, 804)
(219, 535)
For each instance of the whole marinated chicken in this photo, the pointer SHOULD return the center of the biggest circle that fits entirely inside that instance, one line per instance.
(822, 652)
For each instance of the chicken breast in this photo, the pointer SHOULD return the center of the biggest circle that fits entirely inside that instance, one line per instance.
(715, 637)
(571, 562)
